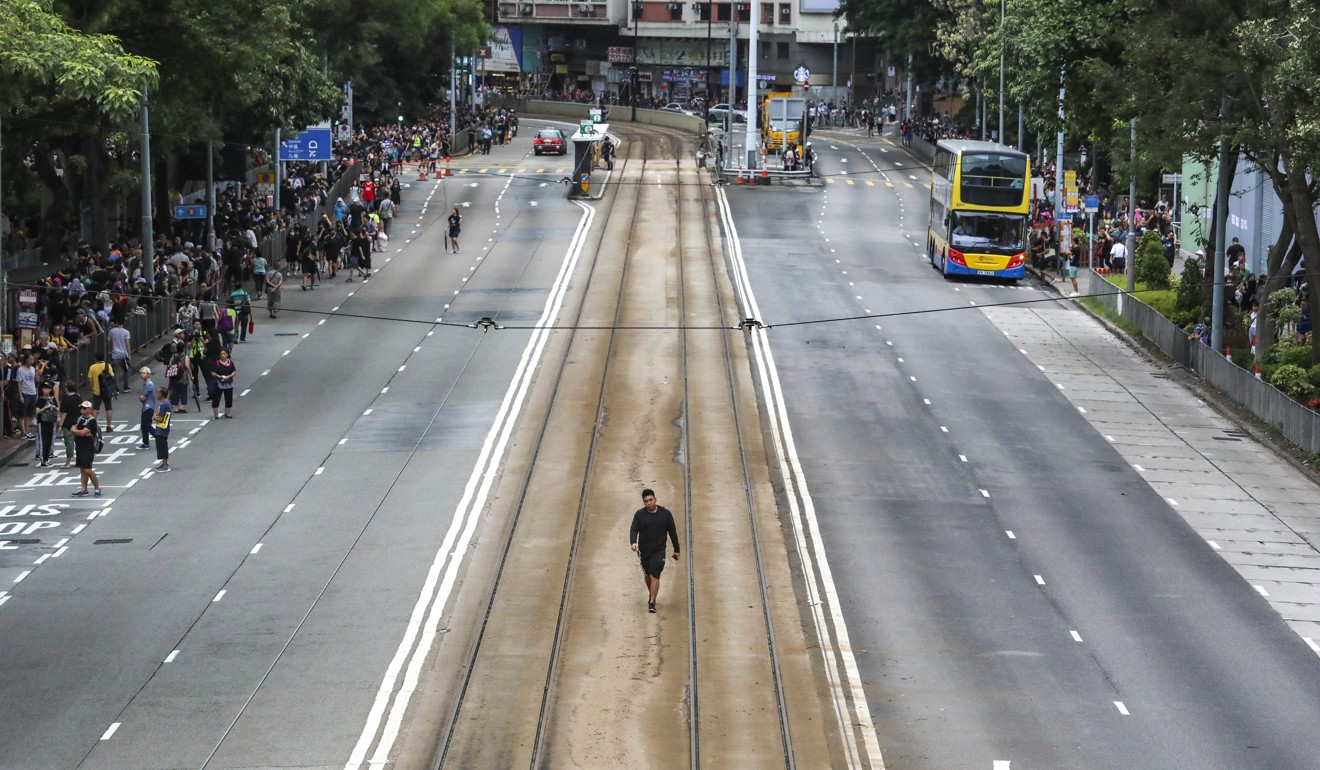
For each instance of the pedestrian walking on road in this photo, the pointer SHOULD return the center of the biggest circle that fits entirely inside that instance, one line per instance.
(68, 416)
(455, 227)
(222, 374)
(102, 378)
(121, 345)
(274, 282)
(650, 524)
(48, 414)
(146, 397)
(160, 428)
(85, 433)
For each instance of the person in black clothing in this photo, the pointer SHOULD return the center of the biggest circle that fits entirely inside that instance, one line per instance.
(455, 227)
(650, 524)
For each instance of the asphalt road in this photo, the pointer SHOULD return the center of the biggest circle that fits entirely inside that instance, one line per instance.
(252, 607)
(1014, 591)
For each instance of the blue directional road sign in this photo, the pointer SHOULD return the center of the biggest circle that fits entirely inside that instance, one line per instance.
(190, 212)
(312, 144)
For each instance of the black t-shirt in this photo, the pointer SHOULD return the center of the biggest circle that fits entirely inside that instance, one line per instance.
(454, 222)
(648, 530)
(69, 406)
(85, 443)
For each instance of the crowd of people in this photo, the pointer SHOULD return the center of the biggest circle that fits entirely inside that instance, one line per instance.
(209, 292)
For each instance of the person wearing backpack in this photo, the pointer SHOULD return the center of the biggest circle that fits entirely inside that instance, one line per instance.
(102, 378)
(226, 325)
(241, 302)
(86, 437)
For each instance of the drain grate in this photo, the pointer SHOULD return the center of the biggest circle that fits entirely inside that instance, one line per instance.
(1225, 438)
(23, 542)
(113, 541)
(1159, 375)
(293, 334)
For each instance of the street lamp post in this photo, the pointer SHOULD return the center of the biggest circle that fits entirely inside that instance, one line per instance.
(835, 77)
(1002, 9)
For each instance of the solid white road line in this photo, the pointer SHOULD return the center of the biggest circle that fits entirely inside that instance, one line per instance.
(1076, 636)
(1040, 581)
(851, 709)
(170, 658)
(1000, 764)
(219, 596)
(289, 507)
(105, 736)
(255, 549)
(1010, 534)
(386, 715)
(1121, 708)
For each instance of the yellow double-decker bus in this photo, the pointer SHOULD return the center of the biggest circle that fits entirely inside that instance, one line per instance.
(980, 209)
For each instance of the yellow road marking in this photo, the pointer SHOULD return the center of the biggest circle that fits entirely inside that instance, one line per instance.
(869, 183)
(889, 184)
(849, 181)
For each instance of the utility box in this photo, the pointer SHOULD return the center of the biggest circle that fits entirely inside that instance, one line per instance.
(586, 150)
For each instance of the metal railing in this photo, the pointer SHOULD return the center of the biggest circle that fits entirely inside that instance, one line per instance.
(1295, 421)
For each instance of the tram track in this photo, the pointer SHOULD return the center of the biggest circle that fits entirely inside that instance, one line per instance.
(493, 720)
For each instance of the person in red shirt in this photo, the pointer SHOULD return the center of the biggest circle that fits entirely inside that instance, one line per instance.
(369, 195)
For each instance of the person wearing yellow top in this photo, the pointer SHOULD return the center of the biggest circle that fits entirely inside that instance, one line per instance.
(57, 337)
(101, 373)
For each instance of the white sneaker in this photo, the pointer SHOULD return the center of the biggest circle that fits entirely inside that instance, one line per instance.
(1074, 294)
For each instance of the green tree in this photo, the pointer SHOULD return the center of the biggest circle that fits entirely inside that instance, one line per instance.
(69, 87)
(1152, 268)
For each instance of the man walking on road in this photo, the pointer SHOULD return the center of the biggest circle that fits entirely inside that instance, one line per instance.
(650, 525)
(121, 345)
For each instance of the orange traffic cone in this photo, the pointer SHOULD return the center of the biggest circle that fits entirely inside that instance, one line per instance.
(765, 175)
(421, 173)
(448, 171)
(1258, 371)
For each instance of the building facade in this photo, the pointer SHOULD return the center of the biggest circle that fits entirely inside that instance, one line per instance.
(681, 50)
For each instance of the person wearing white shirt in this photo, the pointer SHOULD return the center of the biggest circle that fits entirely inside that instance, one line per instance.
(1118, 256)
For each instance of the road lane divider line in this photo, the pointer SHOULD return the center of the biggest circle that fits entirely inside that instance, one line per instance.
(385, 717)
(110, 731)
(171, 657)
(1076, 636)
(1122, 709)
(851, 709)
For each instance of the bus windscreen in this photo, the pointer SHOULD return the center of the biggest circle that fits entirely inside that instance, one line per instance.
(992, 233)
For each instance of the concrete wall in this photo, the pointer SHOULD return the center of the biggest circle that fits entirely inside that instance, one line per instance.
(1299, 424)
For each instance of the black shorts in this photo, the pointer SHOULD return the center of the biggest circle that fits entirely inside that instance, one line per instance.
(653, 563)
(83, 457)
(99, 401)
